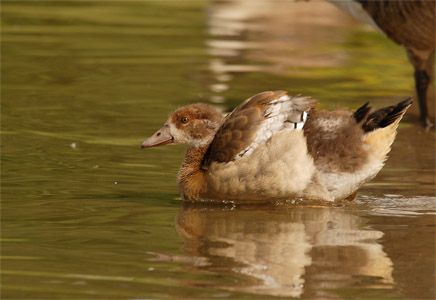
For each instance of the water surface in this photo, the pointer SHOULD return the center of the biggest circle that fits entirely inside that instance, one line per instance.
(87, 214)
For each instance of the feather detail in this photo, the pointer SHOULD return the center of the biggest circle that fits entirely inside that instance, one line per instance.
(254, 122)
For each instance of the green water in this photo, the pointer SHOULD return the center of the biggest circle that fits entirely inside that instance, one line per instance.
(87, 214)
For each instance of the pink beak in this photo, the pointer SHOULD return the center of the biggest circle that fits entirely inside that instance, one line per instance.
(161, 137)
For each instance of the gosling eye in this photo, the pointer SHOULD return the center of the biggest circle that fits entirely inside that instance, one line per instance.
(184, 120)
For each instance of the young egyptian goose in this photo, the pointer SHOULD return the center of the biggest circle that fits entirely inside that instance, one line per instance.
(275, 146)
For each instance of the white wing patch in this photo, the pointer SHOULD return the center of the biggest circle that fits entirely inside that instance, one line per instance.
(284, 113)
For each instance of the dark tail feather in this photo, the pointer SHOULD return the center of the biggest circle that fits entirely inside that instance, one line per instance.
(385, 116)
(361, 113)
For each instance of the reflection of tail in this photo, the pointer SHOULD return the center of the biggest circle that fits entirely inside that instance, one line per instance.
(380, 125)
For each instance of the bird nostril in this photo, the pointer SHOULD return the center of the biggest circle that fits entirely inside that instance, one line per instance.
(158, 134)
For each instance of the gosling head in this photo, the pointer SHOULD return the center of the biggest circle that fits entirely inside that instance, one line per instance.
(193, 125)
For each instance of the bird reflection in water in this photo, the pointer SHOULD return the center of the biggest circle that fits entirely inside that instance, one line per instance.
(279, 251)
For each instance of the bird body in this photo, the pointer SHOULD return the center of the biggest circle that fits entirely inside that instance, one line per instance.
(275, 146)
(410, 24)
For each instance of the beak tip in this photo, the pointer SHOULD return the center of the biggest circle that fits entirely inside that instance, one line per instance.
(161, 137)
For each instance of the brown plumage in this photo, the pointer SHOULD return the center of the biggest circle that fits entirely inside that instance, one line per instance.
(412, 25)
(340, 150)
(275, 146)
(241, 125)
(408, 23)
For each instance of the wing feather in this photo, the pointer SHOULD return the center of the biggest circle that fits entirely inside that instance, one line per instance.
(254, 122)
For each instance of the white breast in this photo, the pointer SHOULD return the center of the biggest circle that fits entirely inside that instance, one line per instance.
(279, 168)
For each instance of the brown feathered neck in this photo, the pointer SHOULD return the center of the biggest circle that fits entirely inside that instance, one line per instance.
(191, 176)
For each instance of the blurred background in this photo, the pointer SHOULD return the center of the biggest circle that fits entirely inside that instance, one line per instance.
(87, 215)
